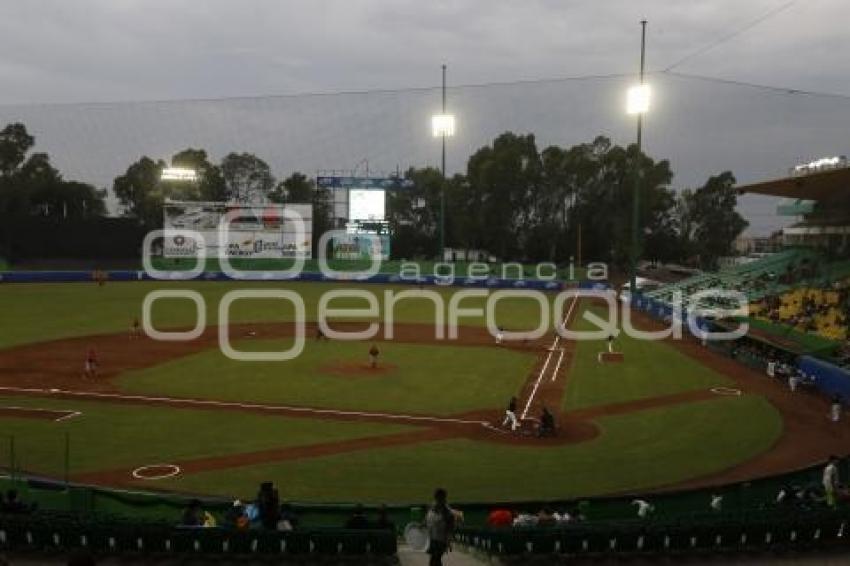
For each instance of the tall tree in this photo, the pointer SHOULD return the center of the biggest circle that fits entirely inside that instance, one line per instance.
(31, 186)
(604, 192)
(139, 192)
(15, 142)
(414, 214)
(501, 181)
(297, 188)
(210, 185)
(247, 178)
(716, 220)
(300, 189)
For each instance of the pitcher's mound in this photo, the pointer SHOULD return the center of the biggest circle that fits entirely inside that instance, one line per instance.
(357, 369)
(611, 357)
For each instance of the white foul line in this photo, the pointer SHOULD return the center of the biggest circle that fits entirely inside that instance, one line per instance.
(235, 405)
(548, 359)
(558, 366)
(70, 415)
(67, 415)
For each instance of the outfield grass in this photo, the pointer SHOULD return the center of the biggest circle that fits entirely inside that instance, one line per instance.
(108, 436)
(634, 452)
(424, 379)
(39, 312)
(650, 369)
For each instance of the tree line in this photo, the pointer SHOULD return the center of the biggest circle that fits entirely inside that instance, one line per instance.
(514, 201)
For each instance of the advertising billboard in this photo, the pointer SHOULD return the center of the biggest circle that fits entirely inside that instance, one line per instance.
(361, 246)
(262, 231)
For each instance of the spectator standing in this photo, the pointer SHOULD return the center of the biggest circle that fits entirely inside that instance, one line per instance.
(835, 409)
(440, 521)
(793, 382)
(268, 505)
(830, 481)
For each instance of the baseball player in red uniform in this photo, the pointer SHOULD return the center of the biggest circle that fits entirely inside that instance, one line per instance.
(91, 364)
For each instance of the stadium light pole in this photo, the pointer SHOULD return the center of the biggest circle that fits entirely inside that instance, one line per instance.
(637, 103)
(443, 126)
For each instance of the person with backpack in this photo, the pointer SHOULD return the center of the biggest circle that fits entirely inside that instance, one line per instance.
(440, 522)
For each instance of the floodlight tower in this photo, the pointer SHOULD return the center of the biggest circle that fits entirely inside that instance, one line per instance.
(443, 126)
(637, 103)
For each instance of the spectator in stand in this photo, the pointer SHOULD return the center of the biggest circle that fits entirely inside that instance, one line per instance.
(500, 518)
(193, 515)
(546, 518)
(358, 519)
(644, 508)
(12, 504)
(237, 516)
(525, 519)
(716, 503)
(288, 520)
(268, 505)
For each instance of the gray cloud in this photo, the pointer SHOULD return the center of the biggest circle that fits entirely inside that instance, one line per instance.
(107, 50)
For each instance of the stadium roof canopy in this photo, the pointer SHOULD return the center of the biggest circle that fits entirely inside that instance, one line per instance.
(821, 186)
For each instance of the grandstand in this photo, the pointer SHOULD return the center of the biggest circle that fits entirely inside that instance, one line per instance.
(772, 274)
(816, 247)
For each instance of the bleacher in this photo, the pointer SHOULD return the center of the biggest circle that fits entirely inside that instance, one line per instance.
(59, 533)
(692, 537)
(828, 316)
(753, 519)
(755, 279)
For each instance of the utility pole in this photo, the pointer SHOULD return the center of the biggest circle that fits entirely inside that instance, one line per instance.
(443, 186)
(636, 196)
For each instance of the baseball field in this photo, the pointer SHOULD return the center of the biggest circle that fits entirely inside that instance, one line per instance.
(327, 426)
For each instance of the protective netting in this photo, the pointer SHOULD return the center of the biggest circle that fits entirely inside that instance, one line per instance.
(703, 127)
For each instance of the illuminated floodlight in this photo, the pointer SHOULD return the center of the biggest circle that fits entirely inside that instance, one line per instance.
(178, 174)
(637, 99)
(443, 125)
(820, 165)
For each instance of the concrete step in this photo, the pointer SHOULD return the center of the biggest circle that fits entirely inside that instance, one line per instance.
(410, 557)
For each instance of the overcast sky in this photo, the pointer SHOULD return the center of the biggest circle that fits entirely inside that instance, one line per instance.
(59, 56)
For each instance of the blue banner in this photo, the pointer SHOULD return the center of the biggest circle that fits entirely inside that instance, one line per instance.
(384, 278)
(386, 183)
